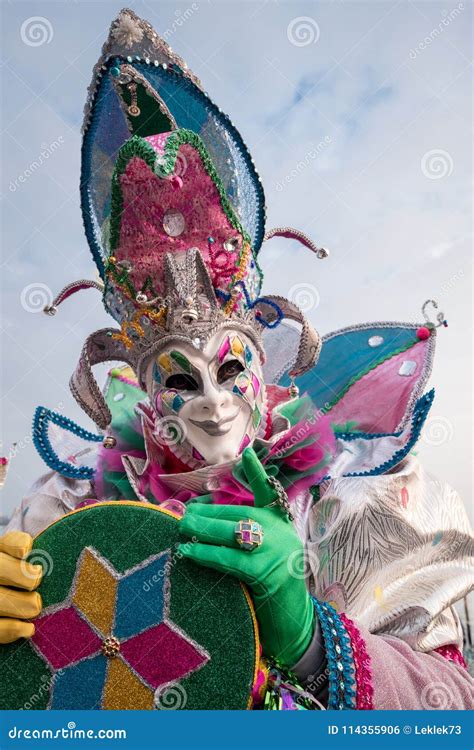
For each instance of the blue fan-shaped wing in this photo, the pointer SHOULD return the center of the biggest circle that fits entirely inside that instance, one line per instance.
(371, 374)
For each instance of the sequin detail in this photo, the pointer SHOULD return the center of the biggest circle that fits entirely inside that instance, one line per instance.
(407, 368)
(451, 653)
(242, 382)
(375, 341)
(174, 222)
(178, 401)
(168, 398)
(363, 673)
(342, 693)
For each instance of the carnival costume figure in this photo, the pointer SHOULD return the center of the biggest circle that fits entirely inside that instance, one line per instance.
(287, 456)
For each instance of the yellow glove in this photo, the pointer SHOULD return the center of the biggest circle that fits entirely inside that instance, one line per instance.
(15, 573)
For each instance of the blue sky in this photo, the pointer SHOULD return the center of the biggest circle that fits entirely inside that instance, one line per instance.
(358, 117)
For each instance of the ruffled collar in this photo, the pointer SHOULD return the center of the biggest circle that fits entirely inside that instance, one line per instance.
(298, 446)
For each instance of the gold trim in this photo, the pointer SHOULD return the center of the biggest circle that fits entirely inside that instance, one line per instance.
(256, 641)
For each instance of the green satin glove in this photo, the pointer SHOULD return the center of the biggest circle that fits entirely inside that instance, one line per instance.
(284, 609)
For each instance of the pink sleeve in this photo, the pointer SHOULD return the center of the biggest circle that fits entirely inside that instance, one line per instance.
(405, 679)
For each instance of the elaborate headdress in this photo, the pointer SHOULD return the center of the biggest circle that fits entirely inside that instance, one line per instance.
(173, 212)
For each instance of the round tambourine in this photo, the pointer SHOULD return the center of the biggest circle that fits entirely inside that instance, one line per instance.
(128, 623)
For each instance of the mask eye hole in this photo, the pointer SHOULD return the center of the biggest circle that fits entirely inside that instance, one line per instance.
(228, 370)
(181, 382)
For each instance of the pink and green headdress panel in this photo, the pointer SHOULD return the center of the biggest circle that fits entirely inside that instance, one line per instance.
(140, 86)
(168, 198)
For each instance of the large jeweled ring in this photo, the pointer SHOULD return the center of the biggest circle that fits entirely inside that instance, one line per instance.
(248, 534)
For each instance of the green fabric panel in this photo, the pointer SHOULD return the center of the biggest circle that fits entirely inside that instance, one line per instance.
(24, 678)
(123, 411)
(151, 119)
(124, 489)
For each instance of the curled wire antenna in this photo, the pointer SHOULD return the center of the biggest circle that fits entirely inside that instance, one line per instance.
(69, 290)
(440, 319)
(295, 234)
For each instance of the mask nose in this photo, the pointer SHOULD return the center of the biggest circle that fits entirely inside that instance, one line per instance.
(213, 402)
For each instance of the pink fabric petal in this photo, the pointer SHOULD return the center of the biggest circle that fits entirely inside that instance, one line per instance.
(298, 486)
(377, 402)
(161, 655)
(63, 638)
(86, 503)
(319, 430)
(404, 496)
(153, 482)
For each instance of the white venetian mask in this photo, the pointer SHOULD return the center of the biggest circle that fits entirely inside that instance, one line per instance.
(215, 395)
